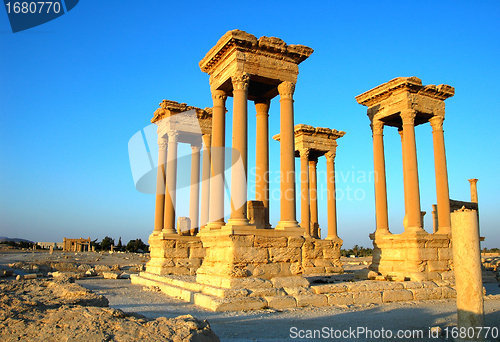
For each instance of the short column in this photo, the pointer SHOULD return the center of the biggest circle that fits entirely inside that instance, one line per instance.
(216, 213)
(313, 197)
(160, 186)
(287, 157)
(473, 190)
(331, 200)
(240, 151)
(205, 181)
(305, 217)
(262, 156)
(381, 212)
(442, 190)
(171, 180)
(194, 196)
(412, 192)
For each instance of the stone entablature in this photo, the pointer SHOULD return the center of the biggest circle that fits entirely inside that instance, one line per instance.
(268, 61)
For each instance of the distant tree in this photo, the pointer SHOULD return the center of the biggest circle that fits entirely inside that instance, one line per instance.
(96, 245)
(136, 245)
(106, 243)
(119, 245)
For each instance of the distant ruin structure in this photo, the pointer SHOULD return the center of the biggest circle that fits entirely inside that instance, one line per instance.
(76, 245)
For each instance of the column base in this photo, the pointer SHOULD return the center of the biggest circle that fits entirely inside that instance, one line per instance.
(237, 222)
(168, 231)
(292, 228)
(443, 230)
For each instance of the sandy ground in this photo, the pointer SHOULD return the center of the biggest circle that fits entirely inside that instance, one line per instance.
(269, 325)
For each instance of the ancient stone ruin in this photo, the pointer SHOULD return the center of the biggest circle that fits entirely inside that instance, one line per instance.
(246, 263)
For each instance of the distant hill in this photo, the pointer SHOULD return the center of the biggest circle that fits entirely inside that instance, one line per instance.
(3, 239)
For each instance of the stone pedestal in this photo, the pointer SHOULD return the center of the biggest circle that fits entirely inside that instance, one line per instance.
(416, 258)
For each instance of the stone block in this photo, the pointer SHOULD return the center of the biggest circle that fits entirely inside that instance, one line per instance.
(314, 270)
(438, 266)
(367, 297)
(197, 253)
(281, 302)
(427, 294)
(311, 299)
(266, 271)
(296, 268)
(448, 292)
(413, 285)
(445, 254)
(267, 292)
(393, 254)
(293, 281)
(384, 285)
(365, 274)
(225, 293)
(263, 241)
(246, 283)
(181, 244)
(437, 243)
(322, 263)
(185, 262)
(340, 298)
(250, 255)
(167, 243)
(333, 253)
(175, 253)
(356, 287)
(448, 276)
(295, 291)
(421, 254)
(309, 251)
(295, 241)
(396, 295)
(334, 269)
(284, 254)
(329, 288)
(111, 275)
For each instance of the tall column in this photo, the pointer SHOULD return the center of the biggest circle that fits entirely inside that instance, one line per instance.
(412, 192)
(442, 190)
(240, 150)
(171, 180)
(205, 180)
(262, 156)
(400, 131)
(381, 213)
(331, 201)
(473, 190)
(194, 196)
(216, 214)
(160, 185)
(305, 217)
(287, 157)
(313, 196)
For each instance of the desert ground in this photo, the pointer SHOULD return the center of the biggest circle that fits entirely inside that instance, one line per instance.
(146, 306)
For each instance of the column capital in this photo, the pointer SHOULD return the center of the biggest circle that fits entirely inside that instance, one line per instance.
(313, 161)
(207, 140)
(219, 95)
(377, 126)
(196, 146)
(286, 89)
(400, 131)
(330, 156)
(408, 116)
(437, 122)
(473, 180)
(173, 136)
(162, 144)
(262, 106)
(304, 153)
(240, 81)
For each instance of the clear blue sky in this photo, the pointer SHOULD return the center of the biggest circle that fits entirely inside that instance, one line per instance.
(75, 90)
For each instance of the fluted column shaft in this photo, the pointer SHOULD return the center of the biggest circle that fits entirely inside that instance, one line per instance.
(287, 157)
(262, 155)
(171, 180)
(442, 189)
(313, 196)
(216, 213)
(381, 212)
(194, 196)
(305, 217)
(412, 191)
(160, 185)
(205, 180)
(240, 150)
(331, 200)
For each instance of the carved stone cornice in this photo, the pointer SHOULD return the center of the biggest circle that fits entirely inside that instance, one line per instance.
(408, 116)
(169, 108)
(162, 144)
(330, 156)
(304, 153)
(286, 90)
(240, 81)
(377, 126)
(436, 123)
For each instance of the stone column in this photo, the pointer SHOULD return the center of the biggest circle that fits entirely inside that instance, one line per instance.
(313, 196)
(205, 180)
(467, 268)
(442, 190)
(381, 213)
(171, 180)
(305, 217)
(435, 223)
(160, 185)
(331, 201)
(262, 156)
(216, 213)
(412, 192)
(400, 131)
(287, 157)
(473, 190)
(240, 150)
(194, 196)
